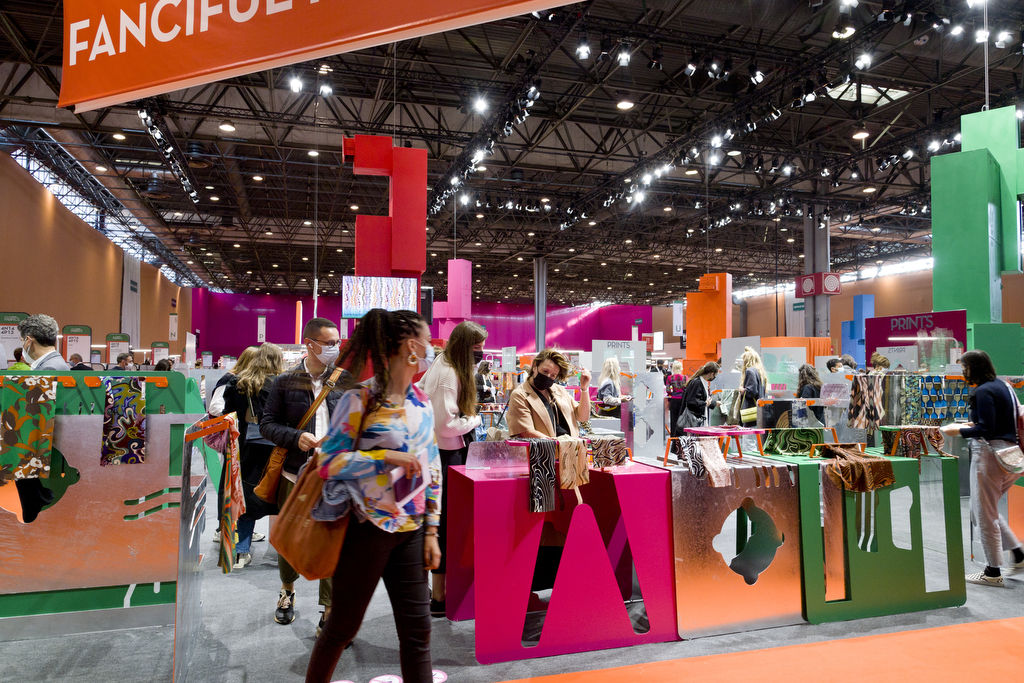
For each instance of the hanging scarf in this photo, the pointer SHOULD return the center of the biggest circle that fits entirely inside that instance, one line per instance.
(852, 470)
(233, 500)
(703, 456)
(866, 409)
(543, 474)
(609, 451)
(124, 421)
(26, 427)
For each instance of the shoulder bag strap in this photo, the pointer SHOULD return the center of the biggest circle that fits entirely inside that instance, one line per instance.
(328, 385)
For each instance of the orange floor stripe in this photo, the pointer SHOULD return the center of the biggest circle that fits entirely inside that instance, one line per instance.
(981, 651)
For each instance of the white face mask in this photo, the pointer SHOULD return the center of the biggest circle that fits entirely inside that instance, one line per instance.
(328, 354)
(428, 357)
(28, 356)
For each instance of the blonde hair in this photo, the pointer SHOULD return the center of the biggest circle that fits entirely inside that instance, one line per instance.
(267, 363)
(751, 359)
(677, 368)
(244, 359)
(610, 370)
(879, 361)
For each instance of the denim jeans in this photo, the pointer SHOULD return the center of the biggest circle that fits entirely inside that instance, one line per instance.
(245, 528)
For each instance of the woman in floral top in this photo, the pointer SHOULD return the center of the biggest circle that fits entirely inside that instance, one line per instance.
(373, 432)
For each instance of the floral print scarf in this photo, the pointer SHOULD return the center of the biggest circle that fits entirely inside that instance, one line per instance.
(26, 427)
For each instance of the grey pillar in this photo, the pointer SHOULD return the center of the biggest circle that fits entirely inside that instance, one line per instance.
(817, 259)
(540, 300)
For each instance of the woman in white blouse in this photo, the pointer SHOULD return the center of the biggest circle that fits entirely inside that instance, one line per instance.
(451, 386)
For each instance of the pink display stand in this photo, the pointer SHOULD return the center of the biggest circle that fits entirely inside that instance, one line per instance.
(493, 542)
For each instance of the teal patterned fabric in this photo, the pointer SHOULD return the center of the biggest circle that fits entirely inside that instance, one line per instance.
(912, 400)
(792, 441)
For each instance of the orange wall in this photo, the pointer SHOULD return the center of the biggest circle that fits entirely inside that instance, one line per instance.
(52, 262)
(662, 320)
(761, 316)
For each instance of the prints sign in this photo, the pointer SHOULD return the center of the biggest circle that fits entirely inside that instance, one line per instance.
(121, 50)
(901, 330)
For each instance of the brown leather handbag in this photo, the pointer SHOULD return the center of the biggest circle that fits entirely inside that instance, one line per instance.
(310, 546)
(267, 488)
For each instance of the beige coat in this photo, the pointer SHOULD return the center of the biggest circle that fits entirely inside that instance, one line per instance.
(526, 410)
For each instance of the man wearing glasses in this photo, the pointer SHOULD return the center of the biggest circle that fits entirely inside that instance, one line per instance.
(291, 395)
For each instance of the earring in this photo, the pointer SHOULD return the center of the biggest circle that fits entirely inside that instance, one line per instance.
(412, 359)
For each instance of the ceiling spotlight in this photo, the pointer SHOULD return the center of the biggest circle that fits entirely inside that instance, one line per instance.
(118, 136)
(101, 169)
(313, 153)
(257, 178)
(691, 65)
(863, 61)
(625, 102)
(938, 23)
(727, 68)
(908, 154)
(1003, 39)
(957, 30)
(326, 89)
(809, 95)
(860, 132)
(623, 54)
(656, 57)
(981, 35)
(787, 168)
(756, 75)
(975, 3)
(934, 146)
(583, 47)
(354, 207)
(295, 83)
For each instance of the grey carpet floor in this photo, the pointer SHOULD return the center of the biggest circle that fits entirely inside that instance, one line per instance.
(240, 642)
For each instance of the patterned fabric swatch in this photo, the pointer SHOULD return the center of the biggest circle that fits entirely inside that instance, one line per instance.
(792, 441)
(124, 421)
(703, 456)
(854, 471)
(909, 442)
(26, 427)
(866, 409)
(573, 468)
(609, 451)
(911, 399)
(543, 474)
(233, 500)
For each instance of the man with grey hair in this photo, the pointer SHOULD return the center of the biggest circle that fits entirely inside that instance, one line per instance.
(39, 341)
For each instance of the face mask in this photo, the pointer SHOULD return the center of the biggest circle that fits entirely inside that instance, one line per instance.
(542, 382)
(428, 357)
(28, 356)
(328, 354)
(478, 356)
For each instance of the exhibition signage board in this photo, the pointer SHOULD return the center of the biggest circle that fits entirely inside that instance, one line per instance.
(10, 338)
(161, 350)
(261, 329)
(508, 359)
(901, 330)
(118, 343)
(117, 50)
(815, 284)
(207, 359)
(900, 357)
(677, 319)
(173, 328)
(632, 355)
(77, 339)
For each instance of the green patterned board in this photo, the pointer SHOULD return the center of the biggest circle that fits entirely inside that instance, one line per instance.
(886, 579)
(792, 440)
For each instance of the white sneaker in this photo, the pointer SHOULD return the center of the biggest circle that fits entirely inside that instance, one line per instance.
(1014, 568)
(216, 536)
(242, 559)
(982, 579)
(256, 538)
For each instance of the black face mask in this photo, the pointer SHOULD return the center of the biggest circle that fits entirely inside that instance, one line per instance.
(478, 356)
(542, 382)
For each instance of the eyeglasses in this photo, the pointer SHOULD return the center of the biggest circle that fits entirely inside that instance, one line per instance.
(329, 344)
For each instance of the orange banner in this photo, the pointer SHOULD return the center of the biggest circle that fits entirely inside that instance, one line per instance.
(120, 50)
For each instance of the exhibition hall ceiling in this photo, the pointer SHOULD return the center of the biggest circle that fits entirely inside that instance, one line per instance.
(696, 136)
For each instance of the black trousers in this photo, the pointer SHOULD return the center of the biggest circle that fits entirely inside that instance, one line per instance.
(675, 407)
(448, 458)
(369, 554)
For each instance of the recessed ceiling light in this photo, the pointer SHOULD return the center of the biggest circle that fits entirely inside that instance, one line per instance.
(354, 207)
(544, 200)
(593, 222)
(188, 262)
(274, 266)
(481, 168)
(667, 208)
(338, 250)
(214, 198)
(258, 178)
(529, 234)
(313, 153)
(305, 258)
(209, 187)
(572, 249)
(101, 168)
(178, 214)
(519, 258)
(118, 136)
(629, 241)
(237, 246)
(692, 171)
(479, 215)
(269, 232)
(307, 222)
(733, 153)
(869, 190)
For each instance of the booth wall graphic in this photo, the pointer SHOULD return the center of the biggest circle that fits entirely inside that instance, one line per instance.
(131, 301)
(39, 231)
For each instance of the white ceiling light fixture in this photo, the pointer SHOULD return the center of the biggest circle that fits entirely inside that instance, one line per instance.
(227, 126)
(625, 102)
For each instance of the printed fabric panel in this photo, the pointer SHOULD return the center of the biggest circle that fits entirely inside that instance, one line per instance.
(912, 442)
(573, 465)
(703, 456)
(543, 474)
(792, 441)
(233, 500)
(609, 451)
(124, 421)
(911, 400)
(866, 407)
(26, 427)
(851, 470)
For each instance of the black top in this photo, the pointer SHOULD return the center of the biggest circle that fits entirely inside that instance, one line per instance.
(811, 391)
(992, 412)
(482, 393)
(695, 396)
(753, 388)
(81, 366)
(557, 419)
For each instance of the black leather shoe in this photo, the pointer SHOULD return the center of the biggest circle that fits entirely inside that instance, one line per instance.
(285, 613)
(436, 608)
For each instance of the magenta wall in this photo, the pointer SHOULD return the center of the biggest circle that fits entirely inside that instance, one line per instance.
(227, 322)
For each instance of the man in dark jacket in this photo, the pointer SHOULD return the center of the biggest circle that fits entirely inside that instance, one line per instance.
(291, 395)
